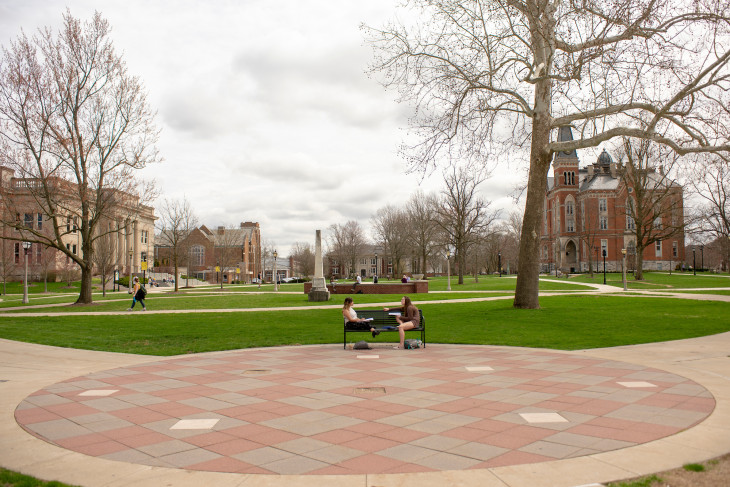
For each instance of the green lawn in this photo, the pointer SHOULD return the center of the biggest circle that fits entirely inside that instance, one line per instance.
(564, 322)
(658, 280)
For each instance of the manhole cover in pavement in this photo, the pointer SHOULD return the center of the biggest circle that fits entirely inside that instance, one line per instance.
(255, 371)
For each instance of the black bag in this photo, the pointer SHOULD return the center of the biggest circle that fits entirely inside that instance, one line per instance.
(142, 293)
(361, 345)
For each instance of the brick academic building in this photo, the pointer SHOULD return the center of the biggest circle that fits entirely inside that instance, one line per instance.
(585, 215)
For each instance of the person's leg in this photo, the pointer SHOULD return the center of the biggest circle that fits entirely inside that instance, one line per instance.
(134, 301)
(144, 308)
(402, 332)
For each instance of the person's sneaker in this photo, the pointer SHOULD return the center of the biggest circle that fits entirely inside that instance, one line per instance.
(144, 309)
(129, 309)
(376, 333)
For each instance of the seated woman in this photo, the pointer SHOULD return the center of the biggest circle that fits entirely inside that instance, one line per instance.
(408, 319)
(348, 312)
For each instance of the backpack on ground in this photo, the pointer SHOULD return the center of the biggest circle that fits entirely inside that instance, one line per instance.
(412, 343)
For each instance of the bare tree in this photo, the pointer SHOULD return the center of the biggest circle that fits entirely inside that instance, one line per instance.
(462, 214)
(176, 221)
(303, 256)
(105, 259)
(476, 68)
(76, 126)
(424, 235)
(267, 255)
(7, 261)
(709, 179)
(347, 242)
(392, 231)
(228, 249)
(654, 209)
(589, 229)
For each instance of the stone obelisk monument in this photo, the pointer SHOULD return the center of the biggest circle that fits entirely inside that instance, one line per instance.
(319, 290)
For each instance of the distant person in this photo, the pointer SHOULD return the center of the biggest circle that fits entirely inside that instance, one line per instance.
(259, 280)
(358, 281)
(138, 294)
(408, 319)
(351, 319)
(375, 279)
(404, 279)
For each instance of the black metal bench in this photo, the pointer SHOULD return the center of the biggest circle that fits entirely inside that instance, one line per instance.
(383, 321)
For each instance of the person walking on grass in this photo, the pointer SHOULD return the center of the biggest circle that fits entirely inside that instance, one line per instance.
(138, 294)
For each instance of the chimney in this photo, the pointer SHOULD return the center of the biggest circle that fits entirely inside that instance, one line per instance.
(221, 230)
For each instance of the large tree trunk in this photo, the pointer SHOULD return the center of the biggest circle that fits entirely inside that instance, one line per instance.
(85, 294)
(528, 278)
(639, 271)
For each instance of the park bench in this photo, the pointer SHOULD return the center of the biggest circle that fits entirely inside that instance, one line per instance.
(383, 321)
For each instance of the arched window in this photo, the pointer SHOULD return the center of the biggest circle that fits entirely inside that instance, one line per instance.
(197, 255)
(569, 212)
(630, 223)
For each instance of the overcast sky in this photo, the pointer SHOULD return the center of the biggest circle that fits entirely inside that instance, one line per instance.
(266, 110)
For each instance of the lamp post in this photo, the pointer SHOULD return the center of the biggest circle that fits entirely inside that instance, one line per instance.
(375, 277)
(623, 266)
(694, 262)
(499, 263)
(129, 284)
(448, 269)
(26, 246)
(702, 251)
(276, 278)
(604, 265)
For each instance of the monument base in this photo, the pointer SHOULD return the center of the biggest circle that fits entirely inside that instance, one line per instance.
(319, 295)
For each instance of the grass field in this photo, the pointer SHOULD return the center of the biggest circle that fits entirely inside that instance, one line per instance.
(564, 322)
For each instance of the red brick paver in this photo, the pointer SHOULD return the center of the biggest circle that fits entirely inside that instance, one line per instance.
(323, 410)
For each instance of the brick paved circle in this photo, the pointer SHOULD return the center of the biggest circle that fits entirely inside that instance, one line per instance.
(324, 410)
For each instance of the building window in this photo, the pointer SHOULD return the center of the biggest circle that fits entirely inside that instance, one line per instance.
(569, 225)
(603, 223)
(143, 257)
(29, 220)
(569, 208)
(73, 248)
(40, 221)
(602, 206)
(336, 270)
(198, 255)
(76, 221)
(145, 236)
(68, 224)
(38, 253)
(17, 252)
(658, 222)
(658, 248)
(674, 249)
